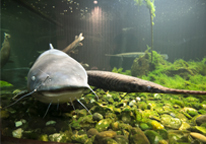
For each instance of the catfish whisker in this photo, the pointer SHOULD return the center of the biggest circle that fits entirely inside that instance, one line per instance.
(72, 105)
(57, 105)
(84, 106)
(47, 109)
(26, 95)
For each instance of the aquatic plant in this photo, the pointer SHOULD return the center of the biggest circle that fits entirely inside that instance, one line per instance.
(150, 5)
(115, 70)
(5, 84)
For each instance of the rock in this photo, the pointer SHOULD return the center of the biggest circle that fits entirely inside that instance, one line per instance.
(163, 133)
(176, 136)
(105, 137)
(91, 132)
(82, 112)
(49, 130)
(103, 124)
(125, 126)
(156, 125)
(126, 118)
(51, 122)
(97, 116)
(137, 136)
(153, 136)
(169, 121)
(115, 126)
(201, 119)
(198, 136)
(145, 126)
(107, 141)
(104, 134)
(79, 138)
(199, 129)
(142, 105)
(184, 126)
(61, 137)
(189, 110)
(162, 142)
(120, 139)
(157, 96)
(4, 114)
(43, 137)
(83, 122)
(17, 133)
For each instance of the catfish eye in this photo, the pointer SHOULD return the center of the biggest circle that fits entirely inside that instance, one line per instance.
(33, 78)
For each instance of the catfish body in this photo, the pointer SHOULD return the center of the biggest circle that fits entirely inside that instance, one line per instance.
(55, 77)
(124, 83)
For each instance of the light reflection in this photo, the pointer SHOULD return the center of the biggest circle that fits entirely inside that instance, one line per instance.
(97, 14)
(95, 2)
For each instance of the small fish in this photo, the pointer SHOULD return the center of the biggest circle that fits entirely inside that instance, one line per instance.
(127, 29)
(5, 50)
(133, 54)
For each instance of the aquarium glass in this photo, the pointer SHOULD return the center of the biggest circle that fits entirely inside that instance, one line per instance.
(161, 41)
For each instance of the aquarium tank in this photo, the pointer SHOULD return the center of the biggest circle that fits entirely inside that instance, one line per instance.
(103, 71)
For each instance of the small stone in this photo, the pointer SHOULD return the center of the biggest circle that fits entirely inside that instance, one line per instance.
(43, 137)
(157, 96)
(17, 133)
(120, 139)
(126, 118)
(4, 114)
(137, 136)
(104, 134)
(18, 123)
(145, 126)
(156, 125)
(162, 142)
(79, 138)
(170, 122)
(115, 126)
(200, 129)
(49, 130)
(97, 117)
(108, 141)
(51, 122)
(198, 136)
(103, 124)
(91, 132)
(201, 119)
(132, 103)
(153, 136)
(184, 126)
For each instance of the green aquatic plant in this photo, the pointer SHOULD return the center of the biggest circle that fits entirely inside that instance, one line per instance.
(150, 5)
(4, 84)
(127, 72)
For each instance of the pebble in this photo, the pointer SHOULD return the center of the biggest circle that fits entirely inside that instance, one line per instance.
(201, 119)
(198, 136)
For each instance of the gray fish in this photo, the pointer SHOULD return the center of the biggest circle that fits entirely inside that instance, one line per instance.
(133, 54)
(57, 78)
(124, 83)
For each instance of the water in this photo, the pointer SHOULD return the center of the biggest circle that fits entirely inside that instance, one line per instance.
(109, 27)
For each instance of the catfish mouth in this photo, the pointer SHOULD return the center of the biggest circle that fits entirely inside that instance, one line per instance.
(62, 90)
(62, 95)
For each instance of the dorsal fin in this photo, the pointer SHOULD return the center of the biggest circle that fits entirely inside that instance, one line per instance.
(51, 46)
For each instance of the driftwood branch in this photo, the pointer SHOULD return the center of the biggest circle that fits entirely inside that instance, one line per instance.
(74, 44)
